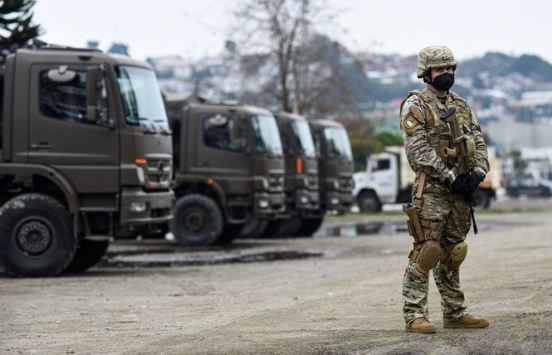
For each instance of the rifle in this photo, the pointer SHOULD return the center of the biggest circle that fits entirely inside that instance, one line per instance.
(460, 149)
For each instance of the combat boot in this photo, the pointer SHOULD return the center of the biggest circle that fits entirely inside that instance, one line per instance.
(466, 321)
(421, 325)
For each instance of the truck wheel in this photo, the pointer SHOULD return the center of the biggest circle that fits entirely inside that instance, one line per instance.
(309, 226)
(481, 199)
(36, 236)
(229, 233)
(289, 227)
(368, 201)
(253, 228)
(197, 220)
(89, 253)
(271, 229)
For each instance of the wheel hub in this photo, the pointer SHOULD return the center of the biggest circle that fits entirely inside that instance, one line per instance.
(34, 237)
(194, 221)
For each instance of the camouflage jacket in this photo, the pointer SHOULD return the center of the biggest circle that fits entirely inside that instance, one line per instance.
(426, 135)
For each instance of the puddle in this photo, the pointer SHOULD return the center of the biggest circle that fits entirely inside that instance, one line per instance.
(203, 258)
(362, 228)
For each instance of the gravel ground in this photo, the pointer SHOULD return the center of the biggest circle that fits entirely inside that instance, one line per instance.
(305, 296)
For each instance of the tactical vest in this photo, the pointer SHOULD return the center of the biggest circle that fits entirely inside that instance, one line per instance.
(439, 133)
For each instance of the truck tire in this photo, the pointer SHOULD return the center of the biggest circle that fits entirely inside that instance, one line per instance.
(282, 228)
(309, 226)
(89, 253)
(289, 227)
(271, 229)
(368, 201)
(481, 199)
(253, 228)
(197, 221)
(36, 236)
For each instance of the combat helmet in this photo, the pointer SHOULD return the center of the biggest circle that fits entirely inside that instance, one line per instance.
(434, 57)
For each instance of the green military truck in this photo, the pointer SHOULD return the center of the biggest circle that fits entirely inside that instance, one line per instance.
(85, 155)
(229, 168)
(335, 171)
(301, 177)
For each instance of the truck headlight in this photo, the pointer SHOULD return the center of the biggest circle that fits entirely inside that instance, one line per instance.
(137, 207)
(304, 200)
(334, 201)
(263, 203)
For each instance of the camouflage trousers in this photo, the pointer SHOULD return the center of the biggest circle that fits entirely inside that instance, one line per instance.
(448, 216)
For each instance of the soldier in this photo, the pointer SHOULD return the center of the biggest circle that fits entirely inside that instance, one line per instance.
(445, 147)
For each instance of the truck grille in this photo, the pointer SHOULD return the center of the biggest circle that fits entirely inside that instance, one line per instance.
(158, 173)
(346, 182)
(312, 180)
(276, 182)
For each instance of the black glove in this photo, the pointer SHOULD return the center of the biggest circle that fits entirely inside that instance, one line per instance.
(472, 181)
(459, 185)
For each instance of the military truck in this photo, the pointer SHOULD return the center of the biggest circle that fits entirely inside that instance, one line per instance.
(229, 168)
(335, 172)
(85, 154)
(301, 177)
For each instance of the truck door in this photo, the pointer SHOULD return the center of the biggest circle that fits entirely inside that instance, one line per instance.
(222, 148)
(61, 136)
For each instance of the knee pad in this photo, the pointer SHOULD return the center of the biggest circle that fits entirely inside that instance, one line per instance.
(457, 254)
(428, 256)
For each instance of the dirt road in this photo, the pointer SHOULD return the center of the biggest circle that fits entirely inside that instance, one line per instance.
(331, 295)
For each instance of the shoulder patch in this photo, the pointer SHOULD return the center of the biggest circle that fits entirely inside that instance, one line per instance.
(409, 124)
(416, 111)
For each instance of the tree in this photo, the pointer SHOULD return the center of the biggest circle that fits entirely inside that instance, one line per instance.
(16, 27)
(307, 73)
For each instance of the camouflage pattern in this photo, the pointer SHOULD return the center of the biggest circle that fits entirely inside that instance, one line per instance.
(448, 215)
(424, 131)
(434, 57)
(444, 215)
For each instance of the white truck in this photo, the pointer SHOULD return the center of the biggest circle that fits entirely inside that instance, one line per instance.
(388, 179)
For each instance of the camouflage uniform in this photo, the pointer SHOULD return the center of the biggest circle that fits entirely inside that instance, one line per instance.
(444, 215)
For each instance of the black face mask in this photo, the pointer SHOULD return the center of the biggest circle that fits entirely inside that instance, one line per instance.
(443, 82)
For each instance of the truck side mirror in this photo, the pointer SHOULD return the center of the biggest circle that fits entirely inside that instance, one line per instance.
(94, 87)
(61, 75)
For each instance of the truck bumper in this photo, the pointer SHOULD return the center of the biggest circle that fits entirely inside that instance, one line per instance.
(268, 205)
(306, 200)
(338, 201)
(140, 207)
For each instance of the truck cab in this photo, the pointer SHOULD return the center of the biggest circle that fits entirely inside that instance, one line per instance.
(301, 176)
(388, 179)
(229, 168)
(335, 167)
(86, 155)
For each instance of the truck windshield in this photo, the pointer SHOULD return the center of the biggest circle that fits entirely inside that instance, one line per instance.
(337, 142)
(304, 138)
(267, 136)
(142, 101)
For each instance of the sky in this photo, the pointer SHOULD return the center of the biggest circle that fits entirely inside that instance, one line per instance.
(194, 29)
